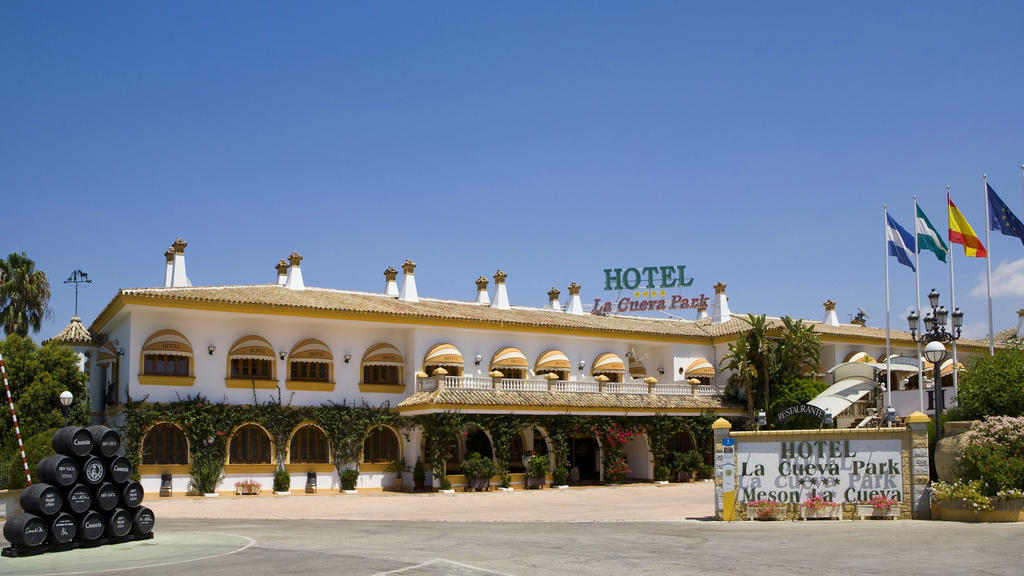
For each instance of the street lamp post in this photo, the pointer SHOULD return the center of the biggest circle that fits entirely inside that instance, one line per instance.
(65, 401)
(934, 333)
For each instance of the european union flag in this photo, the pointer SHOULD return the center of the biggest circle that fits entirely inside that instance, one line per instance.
(1000, 217)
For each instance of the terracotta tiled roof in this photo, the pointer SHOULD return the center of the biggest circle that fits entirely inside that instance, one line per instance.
(1005, 336)
(74, 333)
(458, 398)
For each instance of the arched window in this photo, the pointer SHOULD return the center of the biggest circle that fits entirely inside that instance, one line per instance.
(610, 366)
(251, 362)
(250, 444)
(553, 362)
(511, 362)
(444, 356)
(309, 446)
(516, 453)
(382, 365)
(167, 360)
(540, 445)
(310, 367)
(165, 444)
(380, 445)
(701, 369)
(109, 365)
(681, 442)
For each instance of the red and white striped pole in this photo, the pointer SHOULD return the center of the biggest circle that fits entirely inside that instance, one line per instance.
(14, 417)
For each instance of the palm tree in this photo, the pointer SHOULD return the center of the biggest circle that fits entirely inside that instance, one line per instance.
(762, 352)
(24, 295)
(799, 351)
(743, 373)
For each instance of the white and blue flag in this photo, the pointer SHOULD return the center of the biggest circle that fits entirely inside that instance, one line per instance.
(901, 242)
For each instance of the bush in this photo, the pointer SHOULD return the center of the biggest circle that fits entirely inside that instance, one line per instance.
(537, 466)
(661, 473)
(685, 461)
(36, 448)
(282, 481)
(446, 484)
(476, 467)
(991, 385)
(348, 479)
(967, 494)
(419, 476)
(705, 471)
(561, 476)
(994, 455)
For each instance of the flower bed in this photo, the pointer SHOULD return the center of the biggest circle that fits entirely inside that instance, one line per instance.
(879, 507)
(247, 487)
(818, 507)
(964, 502)
(766, 510)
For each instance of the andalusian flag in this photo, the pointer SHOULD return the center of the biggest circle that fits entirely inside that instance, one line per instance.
(927, 237)
(960, 232)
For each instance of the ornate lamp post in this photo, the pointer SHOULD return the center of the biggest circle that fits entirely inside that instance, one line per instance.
(935, 334)
(65, 401)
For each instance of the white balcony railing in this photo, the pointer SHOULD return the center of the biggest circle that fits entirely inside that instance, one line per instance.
(566, 386)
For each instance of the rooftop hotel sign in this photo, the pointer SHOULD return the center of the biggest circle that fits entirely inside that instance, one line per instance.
(648, 284)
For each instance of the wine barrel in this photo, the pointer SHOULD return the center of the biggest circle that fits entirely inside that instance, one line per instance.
(131, 495)
(78, 499)
(142, 521)
(58, 469)
(25, 531)
(120, 469)
(72, 441)
(91, 526)
(119, 523)
(42, 499)
(93, 470)
(105, 442)
(63, 528)
(105, 497)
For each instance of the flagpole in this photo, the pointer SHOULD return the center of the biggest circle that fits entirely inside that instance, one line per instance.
(885, 247)
(988, 274)
(952, 306)
(917, 309)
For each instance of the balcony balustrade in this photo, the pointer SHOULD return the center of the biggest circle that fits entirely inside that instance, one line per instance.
(565, 386)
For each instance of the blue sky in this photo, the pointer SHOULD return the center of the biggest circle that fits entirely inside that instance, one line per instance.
(754, 143)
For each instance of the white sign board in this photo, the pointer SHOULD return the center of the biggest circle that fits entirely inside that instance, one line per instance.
(836, 470)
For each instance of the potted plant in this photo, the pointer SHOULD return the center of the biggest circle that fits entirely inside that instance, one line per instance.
(478, 471)
(398, 468)
(537, 471)
(661, 474)
(282, 482)
(766, 510)
(879, 507)
(247, 486)
(419, 476)
(446, 486)
(506, 483)
(348, 481)
(561, 477)
(819, 507)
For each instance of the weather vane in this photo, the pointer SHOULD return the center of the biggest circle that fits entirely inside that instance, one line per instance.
(77, 277)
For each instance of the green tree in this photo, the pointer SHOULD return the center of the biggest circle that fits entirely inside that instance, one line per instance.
(991, 385)
(24, 295)
(742, 372)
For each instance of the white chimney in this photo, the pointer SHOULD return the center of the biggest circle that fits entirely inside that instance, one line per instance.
(575, 305)
(294, 279)
(481, 291)
(830, 314)
(169, 270)
(409, 283)
(702, 310)
(500, 291)
(553, 302)
(390, 285)
(282, 272)
(720, 305)
(1020, 323)
(178, 277)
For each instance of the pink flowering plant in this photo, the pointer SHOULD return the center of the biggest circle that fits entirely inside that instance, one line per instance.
(882, 503)
(248, 486)
(819, 503)
(766, 509)
(994, 455)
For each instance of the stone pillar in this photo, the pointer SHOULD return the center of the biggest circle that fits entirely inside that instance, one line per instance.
(552, 378)
(722, 430)
(920, 495)
(652, 383)
(496, 377)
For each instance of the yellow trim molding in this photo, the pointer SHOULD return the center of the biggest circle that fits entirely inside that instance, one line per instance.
(249, 383)
(382, 388)
(155, 380)
(372, 466)
(165, 469)
(320, 468)
(250, 468)
(309, 386)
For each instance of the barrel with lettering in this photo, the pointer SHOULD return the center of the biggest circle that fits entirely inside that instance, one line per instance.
(142, 521)
(42, 499)
(63, 528)
(119, 469)
(91, 526)
(119, 523)
(78, 499)
(94, 470)
(105, 497)
(25, 531)
(72, 441)
(131, 495)
(58, 469)
(105, 442)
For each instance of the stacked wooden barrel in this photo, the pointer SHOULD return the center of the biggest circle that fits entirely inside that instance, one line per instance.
(85, 497)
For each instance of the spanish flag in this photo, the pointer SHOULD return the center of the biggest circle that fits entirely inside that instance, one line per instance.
(960, 232)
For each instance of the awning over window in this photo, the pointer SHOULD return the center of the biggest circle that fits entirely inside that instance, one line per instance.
(699, 367)
(252, 347)
(553, 360)
(383, 355)
(311, 350)
(608, 362)
(636, 367)
(841, 395)
(169, 342)
(509, 358)
(946, 368)
(858, 357)
(107, 353)
(443, 355)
